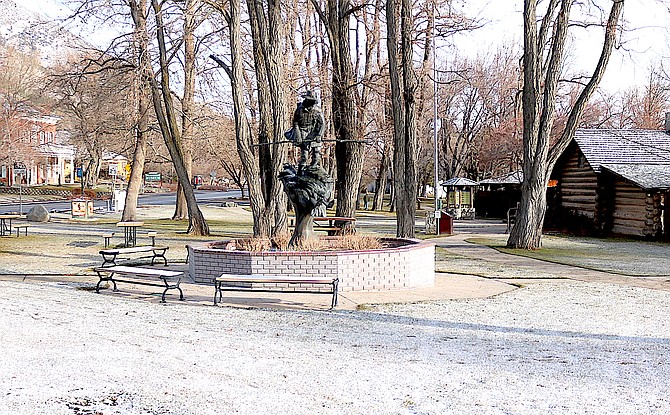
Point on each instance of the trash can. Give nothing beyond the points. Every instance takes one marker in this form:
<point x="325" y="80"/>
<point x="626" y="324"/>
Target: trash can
<point x="445" y="223"/>
<point x="82" y="208"/>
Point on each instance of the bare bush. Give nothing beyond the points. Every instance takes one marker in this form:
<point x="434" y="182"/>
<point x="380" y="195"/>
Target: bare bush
<point x="280" y="242"/>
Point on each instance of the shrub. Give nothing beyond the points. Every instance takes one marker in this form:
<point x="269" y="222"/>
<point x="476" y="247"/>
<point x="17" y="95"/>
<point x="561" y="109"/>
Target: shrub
<point x="280" y="242"/>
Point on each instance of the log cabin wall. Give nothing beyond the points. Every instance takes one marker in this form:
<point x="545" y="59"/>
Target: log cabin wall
<point x="630" y="209"/>
<point x="666" y="214"/>
<point x="653" y="225"/>
<point x="578" y="185"/>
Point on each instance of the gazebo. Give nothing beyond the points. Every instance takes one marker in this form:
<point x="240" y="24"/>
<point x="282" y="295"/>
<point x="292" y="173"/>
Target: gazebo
<point x="460" y="197"/>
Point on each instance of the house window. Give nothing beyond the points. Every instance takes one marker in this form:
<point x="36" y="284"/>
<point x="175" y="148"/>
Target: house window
<point x="3" y="172"/>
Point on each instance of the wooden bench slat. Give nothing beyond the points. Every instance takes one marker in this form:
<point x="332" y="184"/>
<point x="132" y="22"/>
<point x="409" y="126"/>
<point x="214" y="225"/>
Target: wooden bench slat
<point x="219" y="285"/>
<point x="108" y="273"/>
<point x="109" y="255"/>
<point x="132" y="250"/>
<point x="272" y="278"/>
<point x="145" y="272"/>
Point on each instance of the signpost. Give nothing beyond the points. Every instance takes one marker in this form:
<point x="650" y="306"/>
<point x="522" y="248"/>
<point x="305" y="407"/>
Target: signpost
<point x="21" y="171"/>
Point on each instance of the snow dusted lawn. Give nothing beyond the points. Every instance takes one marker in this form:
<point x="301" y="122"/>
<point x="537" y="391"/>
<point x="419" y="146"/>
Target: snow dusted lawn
<point x="563" y="348"/>
<point x="619" y="256"/>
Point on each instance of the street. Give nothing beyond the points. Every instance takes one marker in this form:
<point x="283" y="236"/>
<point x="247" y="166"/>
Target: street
<point x="147" y="199"/>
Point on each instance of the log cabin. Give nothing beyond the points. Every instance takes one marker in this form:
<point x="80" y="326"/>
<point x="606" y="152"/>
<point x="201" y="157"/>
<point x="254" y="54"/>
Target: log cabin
<point x="613" y="182"/>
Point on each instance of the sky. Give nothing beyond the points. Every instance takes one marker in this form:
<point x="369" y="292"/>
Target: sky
<point x="644" y="38"/>
<point x="644" y="44"/>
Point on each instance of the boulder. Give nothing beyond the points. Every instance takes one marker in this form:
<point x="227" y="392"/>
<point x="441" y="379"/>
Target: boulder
<point x="38" y="214"/>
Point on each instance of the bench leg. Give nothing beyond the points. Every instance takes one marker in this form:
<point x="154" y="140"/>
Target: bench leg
<point x="106" y="259"/>
<point x="107" y="278"/>
<point x="171" y="287"/>
<point x="217" y="292"/>
<point x="334" y="302"/>
<point x="159" y="255"/>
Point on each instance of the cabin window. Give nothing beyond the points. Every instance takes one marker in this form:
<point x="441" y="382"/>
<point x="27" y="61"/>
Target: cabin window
<point x="581" y="160"/>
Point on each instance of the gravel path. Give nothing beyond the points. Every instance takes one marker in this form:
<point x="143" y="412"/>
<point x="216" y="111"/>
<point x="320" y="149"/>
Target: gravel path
<point x="550" y="348"/>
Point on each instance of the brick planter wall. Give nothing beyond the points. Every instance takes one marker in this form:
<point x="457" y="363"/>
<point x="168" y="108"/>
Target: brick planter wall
<point x="407" y="264"/>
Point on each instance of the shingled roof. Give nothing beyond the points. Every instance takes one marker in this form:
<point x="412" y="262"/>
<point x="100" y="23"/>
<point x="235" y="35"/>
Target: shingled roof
<point x="640" y="156"/>
<point x="459" y="181"/>
<point x="515" y="177"/>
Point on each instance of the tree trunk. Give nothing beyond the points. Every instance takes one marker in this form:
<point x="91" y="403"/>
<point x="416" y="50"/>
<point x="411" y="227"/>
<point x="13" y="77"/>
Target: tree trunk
<point x="261" y="164"/>
<point x="541" y="77"/>
<point x="187" y="103"/>
<point x="138" y="13"/>
<point x="348" y="153"/>
<point x="167" y="120"/>
<point x="267" y="30"/>
<point x="384" y="163"/>
<point x="139" y="156"/>
<point x="180" y="207"/>
<point x="403" y="105"/>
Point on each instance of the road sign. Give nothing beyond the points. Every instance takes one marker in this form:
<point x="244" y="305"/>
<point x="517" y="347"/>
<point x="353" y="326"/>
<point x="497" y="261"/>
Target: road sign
<point x="113" y="170"/>
<point x="152" y="176"/>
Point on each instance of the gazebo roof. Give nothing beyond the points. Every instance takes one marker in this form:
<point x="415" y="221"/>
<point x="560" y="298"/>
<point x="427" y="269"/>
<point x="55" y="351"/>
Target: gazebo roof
<point x="458" y="181"/>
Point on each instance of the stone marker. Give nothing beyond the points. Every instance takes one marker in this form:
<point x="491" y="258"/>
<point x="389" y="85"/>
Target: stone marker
<point x="38" y="214"/>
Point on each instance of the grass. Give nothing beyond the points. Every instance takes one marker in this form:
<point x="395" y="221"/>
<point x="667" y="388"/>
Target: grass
<point x="619" y="256"/>
<point x="449" y="262"/>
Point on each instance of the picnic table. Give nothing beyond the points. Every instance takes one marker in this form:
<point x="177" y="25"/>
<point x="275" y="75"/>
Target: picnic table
<point x="129" y="232"/>
<point x="6" y="223"/>
<point x="332" y="224"/>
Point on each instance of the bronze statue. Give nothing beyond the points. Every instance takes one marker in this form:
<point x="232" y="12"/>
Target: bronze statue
<point x="307" y="131"/>
<point x="309" y="187"/>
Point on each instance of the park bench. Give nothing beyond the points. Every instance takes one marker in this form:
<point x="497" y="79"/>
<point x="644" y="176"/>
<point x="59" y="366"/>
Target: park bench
<point x="274" y="283"/>
<point x="109" y="255"/>
<point x="152" y="235"/>
<point x="23" y="226"/>
<point x="170" y="279"/>
<point x="332" y="225"/>
<point x="108" y="237"/>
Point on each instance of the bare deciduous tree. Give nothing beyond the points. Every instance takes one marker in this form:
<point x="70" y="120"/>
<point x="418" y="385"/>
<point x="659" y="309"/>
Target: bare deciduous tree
<point x="167" y="119"/>
<point x="403" y="102"/>
<point x="542" y="60"/>
<point x="21" y="81"/>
